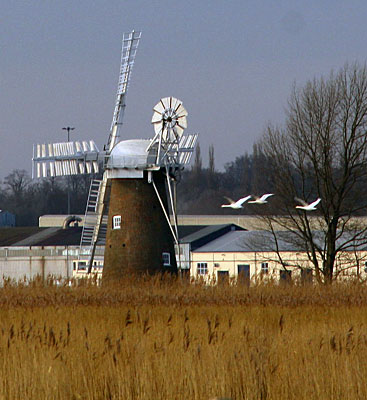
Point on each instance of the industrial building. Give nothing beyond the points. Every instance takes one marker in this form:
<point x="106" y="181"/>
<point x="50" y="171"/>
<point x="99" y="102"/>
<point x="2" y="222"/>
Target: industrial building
<point x="55" y="250"/>
<point x="215" y="253"/>
<point x="251" y="255"/>
<point x="27" y="252"/>
<point x="7" y="219"/>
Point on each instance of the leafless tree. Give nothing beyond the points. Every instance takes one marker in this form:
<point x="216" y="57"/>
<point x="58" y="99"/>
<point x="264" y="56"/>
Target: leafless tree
<point x="321" y="151"/>
<point x="17" y="181"/>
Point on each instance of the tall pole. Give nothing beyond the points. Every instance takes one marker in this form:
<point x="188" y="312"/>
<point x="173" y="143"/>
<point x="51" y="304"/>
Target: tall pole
<point x="68" y="129"/>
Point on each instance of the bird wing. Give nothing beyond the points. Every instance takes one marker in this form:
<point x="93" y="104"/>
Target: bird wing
<point x="242" y="200"/>
<point x="315" y="203"/>
<point x="229" y="200"/>
<point x="265" y="196"/>
<point x="301" y="201"/>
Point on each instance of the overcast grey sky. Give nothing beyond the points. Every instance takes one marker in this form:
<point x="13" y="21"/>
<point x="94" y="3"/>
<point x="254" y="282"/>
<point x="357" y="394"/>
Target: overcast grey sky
<point x="232" y="63"/>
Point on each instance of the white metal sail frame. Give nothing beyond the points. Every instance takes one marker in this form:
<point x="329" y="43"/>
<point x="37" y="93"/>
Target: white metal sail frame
<point x="169" y="122"/>
<point x="66" y="158"/>
<point x="130" y="44"/>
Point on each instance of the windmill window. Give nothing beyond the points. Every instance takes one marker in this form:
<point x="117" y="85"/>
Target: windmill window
<point x="116" y="222"/>
<point x="202" y="268"/>
<point x="166" y="259"/>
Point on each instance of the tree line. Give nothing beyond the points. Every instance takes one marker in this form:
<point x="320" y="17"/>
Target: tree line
<point x="28" y="199"/>
<point x="200" y="190"/>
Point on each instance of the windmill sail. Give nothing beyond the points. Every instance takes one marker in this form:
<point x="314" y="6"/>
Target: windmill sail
<point x="130" y="44"/>
<point x="63" y="159"/>
<point x="97" y="220"/>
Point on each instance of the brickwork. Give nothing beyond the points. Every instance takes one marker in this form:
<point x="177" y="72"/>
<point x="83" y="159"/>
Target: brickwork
<point x="144" y="235"/>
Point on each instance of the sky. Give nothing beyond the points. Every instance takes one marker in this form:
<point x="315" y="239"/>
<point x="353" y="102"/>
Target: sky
<point x="233" y="64"/>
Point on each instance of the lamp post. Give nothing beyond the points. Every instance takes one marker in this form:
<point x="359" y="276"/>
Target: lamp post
<point x="68" y="129"/>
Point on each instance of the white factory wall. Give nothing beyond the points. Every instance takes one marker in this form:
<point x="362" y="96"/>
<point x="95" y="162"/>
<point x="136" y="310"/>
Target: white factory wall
<point x="19" y="263"/>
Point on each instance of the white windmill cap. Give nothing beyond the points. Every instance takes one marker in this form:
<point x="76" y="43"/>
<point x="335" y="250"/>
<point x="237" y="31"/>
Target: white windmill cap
<point x="129" y="158"/>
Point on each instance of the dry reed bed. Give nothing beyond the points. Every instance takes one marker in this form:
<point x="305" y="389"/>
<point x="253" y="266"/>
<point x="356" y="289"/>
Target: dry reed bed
<point x="170" y="291"/>
<point x="133" y="342"/>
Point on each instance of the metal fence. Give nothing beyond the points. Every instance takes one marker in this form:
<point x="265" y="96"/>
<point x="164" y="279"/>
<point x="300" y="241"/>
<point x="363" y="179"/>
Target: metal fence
<point x="59" y="251"/>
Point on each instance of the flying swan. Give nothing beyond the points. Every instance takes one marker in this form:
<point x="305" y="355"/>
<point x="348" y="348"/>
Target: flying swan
<point x="236" y="205"/>
<point x="262" y="199"/>
<point x="307" y="207"/>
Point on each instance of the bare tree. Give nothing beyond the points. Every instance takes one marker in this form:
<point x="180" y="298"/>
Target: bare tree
<point x="321" y="151"/>
<point x="17" y="182"/>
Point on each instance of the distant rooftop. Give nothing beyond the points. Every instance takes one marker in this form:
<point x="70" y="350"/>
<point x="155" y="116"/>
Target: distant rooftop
<point x="263" y="241"/>
<point x="248" y="241"/>
<point x="35" y="236"/>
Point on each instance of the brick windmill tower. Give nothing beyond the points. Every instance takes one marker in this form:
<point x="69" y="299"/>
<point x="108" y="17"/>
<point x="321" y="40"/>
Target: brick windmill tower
<point x="128" y="210"/>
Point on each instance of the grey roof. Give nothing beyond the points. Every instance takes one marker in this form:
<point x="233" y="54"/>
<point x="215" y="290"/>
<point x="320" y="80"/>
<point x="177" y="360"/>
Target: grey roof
<point x="246" y="241"/>
<point x="187" y="230"/>
<point x="35" y="236"/>
<point x="203" y="231"/>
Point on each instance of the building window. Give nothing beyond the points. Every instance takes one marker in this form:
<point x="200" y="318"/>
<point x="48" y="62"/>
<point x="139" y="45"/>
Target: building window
<point x="166" y="257"/>
<point x="264" y="268"/>
<point x="82" y="266"/>
<point x="116" y="222"/>
<point x="202" y="268"/>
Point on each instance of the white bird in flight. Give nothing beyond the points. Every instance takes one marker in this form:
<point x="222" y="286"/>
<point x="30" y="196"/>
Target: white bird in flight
<point x="307" y="207"/>
<point x="236" y="205"/>
<point x="262" y="199"/>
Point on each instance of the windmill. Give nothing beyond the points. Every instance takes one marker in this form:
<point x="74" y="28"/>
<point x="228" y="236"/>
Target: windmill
<point x="128" y="210"/>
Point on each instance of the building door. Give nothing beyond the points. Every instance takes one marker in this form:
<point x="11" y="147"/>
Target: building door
<point x="306" y="276"/>
<point x="285" y="276"/>
<point x="243" y="271"/>
<point x="223" y="277"/>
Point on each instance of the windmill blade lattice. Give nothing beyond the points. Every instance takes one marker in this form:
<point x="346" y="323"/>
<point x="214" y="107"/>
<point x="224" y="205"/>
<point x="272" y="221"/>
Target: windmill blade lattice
<point x="130" y="44"/>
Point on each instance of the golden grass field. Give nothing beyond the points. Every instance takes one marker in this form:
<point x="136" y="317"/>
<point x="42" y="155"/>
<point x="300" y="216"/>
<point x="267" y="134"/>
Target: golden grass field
<point x="166" y="339"/>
